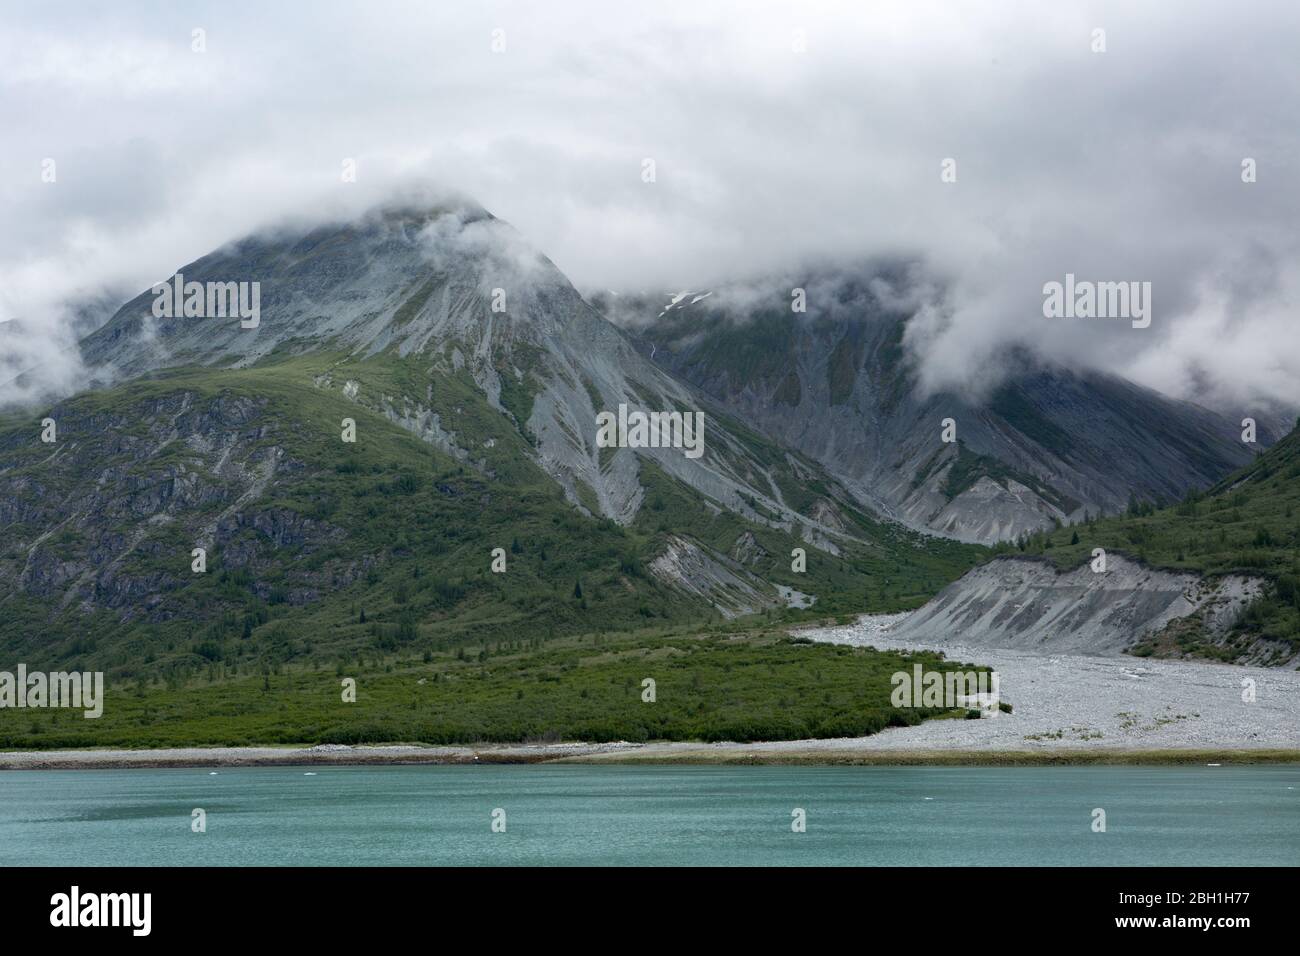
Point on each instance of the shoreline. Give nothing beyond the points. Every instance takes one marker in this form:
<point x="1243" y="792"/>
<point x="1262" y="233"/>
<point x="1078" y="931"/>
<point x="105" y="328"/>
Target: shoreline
<point x="1068" y="710"/>
<point x="800" y="753"/>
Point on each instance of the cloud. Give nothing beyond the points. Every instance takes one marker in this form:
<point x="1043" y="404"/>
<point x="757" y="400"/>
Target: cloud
<point x="780" y="133"/>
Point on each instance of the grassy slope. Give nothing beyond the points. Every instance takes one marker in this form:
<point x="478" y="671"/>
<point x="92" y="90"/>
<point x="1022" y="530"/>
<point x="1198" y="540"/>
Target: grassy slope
<point x="426" y="523"/>
<point x="424" y="526"/>
<point x="1249" y="523"/>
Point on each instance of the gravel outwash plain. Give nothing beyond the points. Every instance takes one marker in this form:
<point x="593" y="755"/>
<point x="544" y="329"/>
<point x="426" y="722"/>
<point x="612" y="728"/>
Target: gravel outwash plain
<point x="1110" y="702"/>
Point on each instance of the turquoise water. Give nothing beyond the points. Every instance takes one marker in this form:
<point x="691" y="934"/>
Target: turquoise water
<point x="645" y="815"/>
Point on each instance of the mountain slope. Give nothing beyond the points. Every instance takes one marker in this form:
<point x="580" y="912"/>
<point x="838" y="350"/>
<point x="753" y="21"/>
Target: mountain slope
<point x="425" y="287"/>
<point x="474" y="431"/>
<point x="1049" y="446"/>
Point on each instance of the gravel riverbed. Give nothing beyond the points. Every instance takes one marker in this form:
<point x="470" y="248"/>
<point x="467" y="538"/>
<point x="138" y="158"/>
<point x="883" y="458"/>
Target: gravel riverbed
<point x="1110" y="702"/>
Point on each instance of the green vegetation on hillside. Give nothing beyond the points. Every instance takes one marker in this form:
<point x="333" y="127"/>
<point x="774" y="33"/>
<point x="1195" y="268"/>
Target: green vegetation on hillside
<point x="969" y="467"/>
<point x="842" y="368"/>
<point x="730" y="684"/>
<point x="378" y="547"/>
<point x="901" y="572"/>
<point x="1016" y="408"/>
<point x="739" y="354"/>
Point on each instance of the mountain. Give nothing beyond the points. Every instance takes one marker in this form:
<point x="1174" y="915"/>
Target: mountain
<point x="473" y="374"/>
<point x="419" y="285"/>
<point x="1048" y="446"/>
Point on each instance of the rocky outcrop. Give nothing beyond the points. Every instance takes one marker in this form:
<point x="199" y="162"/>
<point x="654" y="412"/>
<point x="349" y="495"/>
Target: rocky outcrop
<point x="696" y="569"/>
<point x="107" y="519"/>
<point x="747" y="550"/>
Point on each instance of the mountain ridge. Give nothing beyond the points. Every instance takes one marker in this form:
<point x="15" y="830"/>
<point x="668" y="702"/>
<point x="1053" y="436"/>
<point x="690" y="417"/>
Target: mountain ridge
<point x="1049" y="445"/>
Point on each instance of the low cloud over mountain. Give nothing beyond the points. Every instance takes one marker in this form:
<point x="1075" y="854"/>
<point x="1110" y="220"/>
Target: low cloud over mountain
<point x="779" y="136"/>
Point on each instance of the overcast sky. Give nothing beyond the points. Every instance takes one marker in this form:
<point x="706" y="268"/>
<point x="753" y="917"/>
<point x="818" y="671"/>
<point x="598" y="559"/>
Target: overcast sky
<point x="781" y="134"/>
